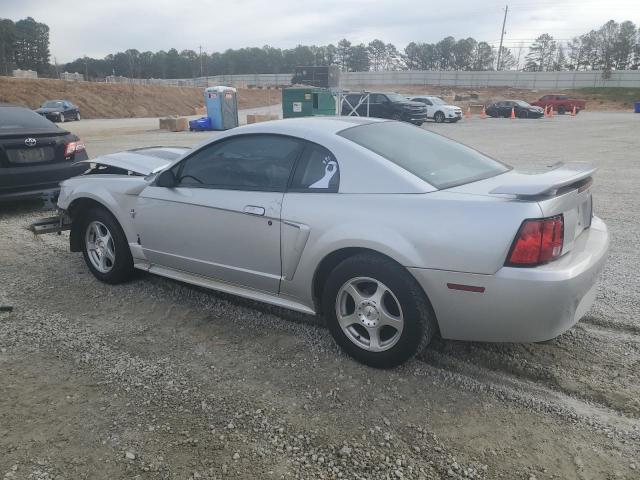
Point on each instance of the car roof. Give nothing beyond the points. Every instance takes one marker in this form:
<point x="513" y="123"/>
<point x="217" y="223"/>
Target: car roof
<point x="307" y="127"/>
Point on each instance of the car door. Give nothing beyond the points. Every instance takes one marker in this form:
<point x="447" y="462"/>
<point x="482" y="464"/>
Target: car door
<point x="377" y="105"/>
<point x="222" y="219"/>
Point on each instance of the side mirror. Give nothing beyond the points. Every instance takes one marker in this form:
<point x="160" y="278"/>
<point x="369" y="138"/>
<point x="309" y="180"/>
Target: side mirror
<point x="167" y="179"/>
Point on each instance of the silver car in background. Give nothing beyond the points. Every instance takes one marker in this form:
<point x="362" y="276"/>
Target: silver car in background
<point x="391" y="232"/>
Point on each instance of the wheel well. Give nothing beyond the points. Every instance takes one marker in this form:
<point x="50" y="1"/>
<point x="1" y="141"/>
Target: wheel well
<point x="330" y="262"/>
<point x="76" y="210"/>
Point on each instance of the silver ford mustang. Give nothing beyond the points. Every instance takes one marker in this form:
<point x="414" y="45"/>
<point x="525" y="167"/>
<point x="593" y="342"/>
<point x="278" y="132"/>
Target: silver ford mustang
<point x="391" y="232"/>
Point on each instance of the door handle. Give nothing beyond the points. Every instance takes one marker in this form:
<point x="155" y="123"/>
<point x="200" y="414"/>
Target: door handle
<point x="253" y="210"/>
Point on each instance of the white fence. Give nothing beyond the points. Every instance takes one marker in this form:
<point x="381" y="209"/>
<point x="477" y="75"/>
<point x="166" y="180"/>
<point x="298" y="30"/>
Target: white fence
<point x="358" y="80"/>
<point x="514" y="79"/>
<point x="24" y="73"/>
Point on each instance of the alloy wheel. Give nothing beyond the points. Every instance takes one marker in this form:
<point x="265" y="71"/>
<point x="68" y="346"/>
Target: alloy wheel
<point x="369" y="314"/>
<point x="100" y="247"/>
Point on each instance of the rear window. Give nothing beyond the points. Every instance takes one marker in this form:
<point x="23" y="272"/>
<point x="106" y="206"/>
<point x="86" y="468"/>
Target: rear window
<point x="19" y="118"/>
<point x="435" y="159"/>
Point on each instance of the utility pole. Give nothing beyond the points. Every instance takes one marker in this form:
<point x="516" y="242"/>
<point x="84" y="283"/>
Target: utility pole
<point x="200" y="47"/>
<point x="504" y="21"/>
<point x="86" y="68"/>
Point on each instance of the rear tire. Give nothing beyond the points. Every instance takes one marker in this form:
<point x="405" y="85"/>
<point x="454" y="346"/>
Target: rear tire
<point x="439" y="117"/>
<point x="62" y="119"/>
<point x="104" y="247"/>
<point x="523" y="114"/>
<point x="561" y="111"/>
<point x="77" y="116"/>
<point x="376" y="311"/>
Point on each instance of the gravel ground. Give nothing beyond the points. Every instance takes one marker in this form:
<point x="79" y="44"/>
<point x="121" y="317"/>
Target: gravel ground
<point x="157" y="380"/>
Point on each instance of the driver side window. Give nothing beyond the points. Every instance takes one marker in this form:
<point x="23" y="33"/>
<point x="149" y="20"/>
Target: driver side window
<point x="246" y="162"/>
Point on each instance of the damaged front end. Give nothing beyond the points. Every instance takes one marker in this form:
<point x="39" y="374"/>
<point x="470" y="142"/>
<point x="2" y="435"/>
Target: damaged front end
<point x="107" y="170"/>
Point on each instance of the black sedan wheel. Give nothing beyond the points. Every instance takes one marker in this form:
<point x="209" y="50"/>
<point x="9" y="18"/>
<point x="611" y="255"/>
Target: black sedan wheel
<point x="523" y="114"/>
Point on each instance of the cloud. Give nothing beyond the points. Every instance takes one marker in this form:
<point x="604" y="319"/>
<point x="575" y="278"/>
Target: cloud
<point x="97" y="27"/>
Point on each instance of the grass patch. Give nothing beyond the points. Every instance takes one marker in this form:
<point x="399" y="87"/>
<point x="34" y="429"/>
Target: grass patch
<point x="624" y="95"/>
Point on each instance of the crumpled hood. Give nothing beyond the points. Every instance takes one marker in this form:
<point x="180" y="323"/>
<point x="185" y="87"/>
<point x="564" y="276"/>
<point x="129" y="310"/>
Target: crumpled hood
<point x="142" y="161"/>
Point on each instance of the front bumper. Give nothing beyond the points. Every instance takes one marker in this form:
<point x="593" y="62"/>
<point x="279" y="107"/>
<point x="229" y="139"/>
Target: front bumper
<point x="54" y="117"/>
<point x="520" y="304"/>
<point x="414" y="116"/>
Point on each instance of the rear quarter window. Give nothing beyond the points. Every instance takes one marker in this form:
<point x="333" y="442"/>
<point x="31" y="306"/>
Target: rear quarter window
<point x="435" y="159"/>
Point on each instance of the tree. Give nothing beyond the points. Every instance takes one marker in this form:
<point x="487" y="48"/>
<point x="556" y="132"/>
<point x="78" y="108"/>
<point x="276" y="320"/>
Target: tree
<point x="560" y="62"/>
<point x="445" y="49"/>
<point x="377" y="54"/>
<point x="359" y="59"/>
<point x="343" y="52"/>
<point x="464" y="53"/>
<point x="8" y="38"/>
<point x="507" y="60"/>
<point x="541" y="54"/>
<point x="484" y="58"/>
<point x="31" y="48"/>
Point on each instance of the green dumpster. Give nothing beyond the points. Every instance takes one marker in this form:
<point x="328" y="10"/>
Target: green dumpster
<point x="307" y="102"/>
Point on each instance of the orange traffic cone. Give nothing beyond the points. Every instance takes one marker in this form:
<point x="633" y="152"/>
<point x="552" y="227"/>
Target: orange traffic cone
<point x="546" y="111"/>
<point x="513" y="112"/>
<point x="551" y="114"/>
<point x="573" y="112"/>
<point x="483" y="114"/>
<point x="467" y="114"/>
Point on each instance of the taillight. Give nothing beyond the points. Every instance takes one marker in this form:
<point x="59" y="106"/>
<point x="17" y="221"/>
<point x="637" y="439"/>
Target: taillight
<point x="73" y="147"/>
<point x="538" y="241"/>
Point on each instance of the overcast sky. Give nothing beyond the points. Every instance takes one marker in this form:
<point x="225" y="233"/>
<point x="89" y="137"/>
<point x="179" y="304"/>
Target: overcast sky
<point x="99" y="27"/>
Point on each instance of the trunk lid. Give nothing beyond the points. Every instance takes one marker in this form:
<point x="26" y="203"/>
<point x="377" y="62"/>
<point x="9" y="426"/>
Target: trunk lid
<point x="23" y="150"/>
<point x="562" y="189"/>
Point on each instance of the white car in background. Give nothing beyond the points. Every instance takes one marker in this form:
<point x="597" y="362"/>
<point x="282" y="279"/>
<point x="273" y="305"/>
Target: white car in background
<point x="439" y="110"/>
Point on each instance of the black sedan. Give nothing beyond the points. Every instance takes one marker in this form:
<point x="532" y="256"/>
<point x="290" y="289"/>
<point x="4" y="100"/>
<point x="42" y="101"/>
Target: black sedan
<point x="35" y="154"/>
<point x="59" y="110"/>
<point x="520" y="108"/>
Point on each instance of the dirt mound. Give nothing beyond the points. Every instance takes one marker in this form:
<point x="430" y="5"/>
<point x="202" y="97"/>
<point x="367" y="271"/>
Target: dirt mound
<point x="107" y="100"/>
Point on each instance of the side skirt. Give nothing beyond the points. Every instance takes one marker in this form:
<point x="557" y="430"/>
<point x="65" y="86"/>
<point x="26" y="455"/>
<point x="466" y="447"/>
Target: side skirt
<point x="223" y="287"/>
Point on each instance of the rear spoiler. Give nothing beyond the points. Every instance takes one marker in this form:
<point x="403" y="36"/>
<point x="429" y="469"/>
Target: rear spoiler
<point x="548" y="183"/>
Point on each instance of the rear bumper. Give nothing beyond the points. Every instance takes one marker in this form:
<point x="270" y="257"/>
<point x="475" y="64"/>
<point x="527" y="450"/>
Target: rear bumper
<point x="31" y="181"/>
<point x="520" y="304"/>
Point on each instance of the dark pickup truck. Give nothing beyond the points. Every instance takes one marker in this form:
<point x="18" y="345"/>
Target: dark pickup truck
<point x="561" y="103"/>
<point x="384" y="105"/>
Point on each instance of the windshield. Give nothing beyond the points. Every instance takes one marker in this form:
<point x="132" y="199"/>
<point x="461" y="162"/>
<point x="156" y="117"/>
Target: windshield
<point x="522" y="104"/>
<point x="436" y="101"/>
<point x="52" y="104"/>
<point x="435" y="159"/>
<point x="396" y="97"/>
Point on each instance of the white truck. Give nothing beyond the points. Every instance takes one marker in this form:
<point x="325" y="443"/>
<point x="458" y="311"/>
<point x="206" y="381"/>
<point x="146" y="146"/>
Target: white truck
<point x="438" y="109"/>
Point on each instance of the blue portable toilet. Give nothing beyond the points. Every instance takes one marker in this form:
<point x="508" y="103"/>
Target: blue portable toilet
<point x="222" y="107"/>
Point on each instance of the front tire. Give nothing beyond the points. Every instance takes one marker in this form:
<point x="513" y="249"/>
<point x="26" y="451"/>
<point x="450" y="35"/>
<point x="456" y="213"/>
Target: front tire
<point x="77" y="116"/>
<point x="376" y="311"/>
<point x="561" y="110"/>
<point x="105" y="248"/>
<point x="62" y="119"/>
